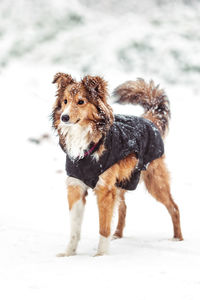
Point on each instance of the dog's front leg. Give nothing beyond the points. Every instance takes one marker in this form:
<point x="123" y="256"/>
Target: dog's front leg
<point x="106" y="197"/>
<point x="76" y="198"/>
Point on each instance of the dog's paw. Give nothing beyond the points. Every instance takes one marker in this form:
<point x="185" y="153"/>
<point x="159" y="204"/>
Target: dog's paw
<point x="99" y="254"/>
<point x="116" y="236"/>
<point x="176" y="239"/>
<point x="67" y="253"/>
<point x="61" y="254"/>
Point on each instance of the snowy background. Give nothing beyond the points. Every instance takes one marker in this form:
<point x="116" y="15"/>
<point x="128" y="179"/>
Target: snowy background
<point x="119" y="40"/>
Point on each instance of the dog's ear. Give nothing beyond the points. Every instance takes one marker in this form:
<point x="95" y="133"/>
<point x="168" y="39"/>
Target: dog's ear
<point x="96" y="87"/>
<point x="63" y="80"/>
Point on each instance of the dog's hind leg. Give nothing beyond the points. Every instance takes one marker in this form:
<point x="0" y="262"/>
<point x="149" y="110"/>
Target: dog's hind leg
<point x="156" y="179"/>
<point x="77" y="192"/>
<point x="121" y="214"/>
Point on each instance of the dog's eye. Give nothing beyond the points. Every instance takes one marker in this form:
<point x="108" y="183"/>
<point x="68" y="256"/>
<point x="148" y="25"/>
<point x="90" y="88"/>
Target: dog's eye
<point x="80" y="102"/>
<point x="65" y="101"/>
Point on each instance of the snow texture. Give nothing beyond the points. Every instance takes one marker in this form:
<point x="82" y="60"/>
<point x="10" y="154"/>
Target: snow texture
<point x="121" y="40"/>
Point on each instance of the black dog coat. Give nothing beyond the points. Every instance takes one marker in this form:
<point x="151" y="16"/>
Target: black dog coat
<point x="128" y="134"/>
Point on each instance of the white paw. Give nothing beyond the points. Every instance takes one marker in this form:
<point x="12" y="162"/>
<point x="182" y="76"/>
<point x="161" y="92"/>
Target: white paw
<point x="176" y="239"/>
<point x="99" y="254"/>
<point x="115" y="237"/>
<point x="103" y="246"/>
<point x="67" y="253"/>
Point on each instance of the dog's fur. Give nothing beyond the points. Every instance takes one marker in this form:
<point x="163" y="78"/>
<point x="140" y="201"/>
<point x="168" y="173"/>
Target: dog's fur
<point x="90" y="117"/>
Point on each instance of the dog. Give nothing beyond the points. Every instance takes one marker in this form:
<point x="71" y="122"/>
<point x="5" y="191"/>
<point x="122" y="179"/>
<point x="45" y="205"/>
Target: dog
<point x="111" y="153"/>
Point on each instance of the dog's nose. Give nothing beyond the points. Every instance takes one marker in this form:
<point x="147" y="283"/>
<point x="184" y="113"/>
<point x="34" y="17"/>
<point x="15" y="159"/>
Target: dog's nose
<point x="65" y="118"/>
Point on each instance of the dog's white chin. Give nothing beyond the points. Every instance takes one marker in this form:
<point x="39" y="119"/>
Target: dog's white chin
<point x="64" y="128"/>
<point x="76" y="138"/>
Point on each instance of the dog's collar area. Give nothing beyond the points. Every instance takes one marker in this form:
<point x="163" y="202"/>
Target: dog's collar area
<point x="91" y="150"/>
<point x="93" y="147"/>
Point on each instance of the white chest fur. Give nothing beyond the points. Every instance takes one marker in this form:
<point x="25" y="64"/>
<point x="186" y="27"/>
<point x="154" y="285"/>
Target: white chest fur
<point x="77" y="139"/>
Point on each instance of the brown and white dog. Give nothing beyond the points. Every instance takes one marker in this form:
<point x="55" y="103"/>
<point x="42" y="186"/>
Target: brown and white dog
<point x="81" y="116"/>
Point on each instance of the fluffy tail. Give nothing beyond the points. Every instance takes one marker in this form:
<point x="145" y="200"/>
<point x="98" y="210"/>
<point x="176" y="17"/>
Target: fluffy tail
<point x="150" y="97"/>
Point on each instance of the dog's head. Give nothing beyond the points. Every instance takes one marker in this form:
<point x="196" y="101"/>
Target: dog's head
<point x="81" y="102"/>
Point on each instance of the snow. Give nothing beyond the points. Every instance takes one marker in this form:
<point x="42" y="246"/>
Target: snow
<point x="34" y="219"/>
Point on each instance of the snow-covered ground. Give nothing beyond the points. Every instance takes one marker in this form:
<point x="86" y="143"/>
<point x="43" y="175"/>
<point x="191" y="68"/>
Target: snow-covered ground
<point x="119" y="42"/>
